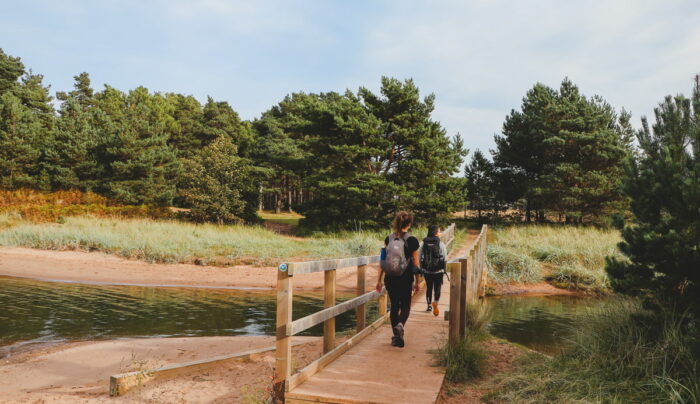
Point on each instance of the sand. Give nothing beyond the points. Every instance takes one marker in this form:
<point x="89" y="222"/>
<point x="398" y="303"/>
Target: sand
<point x="79" y="372"/>
<point x="100" y="268"/>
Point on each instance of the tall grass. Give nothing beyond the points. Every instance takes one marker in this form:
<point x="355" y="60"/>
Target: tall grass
<point x="568" y="256"/>
<point x="621" y="353"/>
<point x="179" y="242"/>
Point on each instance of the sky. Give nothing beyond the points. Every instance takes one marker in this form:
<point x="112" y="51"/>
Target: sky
<point x="479" y="58"/>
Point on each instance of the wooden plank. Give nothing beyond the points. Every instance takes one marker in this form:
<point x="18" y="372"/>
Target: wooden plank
<point x="327" y="265"/>
<point x="463" y="297"/>
<point x="455" y="270"/>
<point x="283" y="353"/>
<point x="361" y="315"/>
<point x="120" y="384"/>
<point x="315" y="366"/>
<point x="382" y="303"/>
<point x="311" y="320"/>
<point x="470" y="269"/>
<point x="329" y="301"/>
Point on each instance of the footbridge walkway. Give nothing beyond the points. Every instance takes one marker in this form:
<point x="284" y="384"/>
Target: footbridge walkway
<point x="365" y="368"/>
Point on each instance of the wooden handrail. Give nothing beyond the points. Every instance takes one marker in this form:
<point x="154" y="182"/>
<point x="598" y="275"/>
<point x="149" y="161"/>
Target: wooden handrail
<point x="286" y="328"/>
<point x="304" y="323"/>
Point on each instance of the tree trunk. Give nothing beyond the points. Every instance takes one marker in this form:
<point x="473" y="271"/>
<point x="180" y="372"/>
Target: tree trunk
<point x="278" y="202"/>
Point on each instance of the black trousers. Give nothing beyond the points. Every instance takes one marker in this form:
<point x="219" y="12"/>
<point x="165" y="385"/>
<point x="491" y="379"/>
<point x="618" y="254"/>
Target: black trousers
<point x="434" y="282"/>
<point x="399" y="289"/>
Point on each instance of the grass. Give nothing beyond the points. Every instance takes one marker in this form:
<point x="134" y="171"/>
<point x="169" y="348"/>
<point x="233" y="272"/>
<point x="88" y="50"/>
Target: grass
<point x="286" y="218"/>
<point x="621" y="353"/>
<point x="567" y="256"/>
<point x="170" y="241"/>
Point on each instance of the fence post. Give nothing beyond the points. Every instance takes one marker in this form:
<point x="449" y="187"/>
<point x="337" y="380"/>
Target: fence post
<point x="473" y="265"/>
<point x="361" y="316"/>
<point x="455" y="269"/>
<point x="381" y="304"/>
<point x="283" y="345"/>
<point x="463" y="297"/>
<point x="329" y="301"/>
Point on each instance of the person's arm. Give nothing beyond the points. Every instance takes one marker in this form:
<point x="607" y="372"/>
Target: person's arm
<point x="419" y="277"/>
<point x="380" y="277"/>
<point x="443" y="253"/>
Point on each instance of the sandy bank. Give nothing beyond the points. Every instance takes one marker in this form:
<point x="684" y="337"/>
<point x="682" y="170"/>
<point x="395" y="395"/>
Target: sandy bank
<point x="100" y="268"/>
<point x="79" y="372"/>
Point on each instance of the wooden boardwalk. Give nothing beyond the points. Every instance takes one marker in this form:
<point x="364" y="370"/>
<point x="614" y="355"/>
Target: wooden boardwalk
<point x="375" y="372"/>
<point x="366" y="368"/>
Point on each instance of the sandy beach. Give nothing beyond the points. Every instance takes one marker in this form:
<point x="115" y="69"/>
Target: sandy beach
<point x="78" y="372"/>
<point x="100" y="268"/>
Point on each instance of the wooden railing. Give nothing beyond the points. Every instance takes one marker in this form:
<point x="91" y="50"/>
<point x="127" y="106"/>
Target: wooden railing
<point x="468" y="276"/>
<point x="286" y="327"/>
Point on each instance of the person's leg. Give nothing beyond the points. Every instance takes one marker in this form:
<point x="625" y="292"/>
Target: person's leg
<point x="405" y="302"/>
<point x="395" y="302"/>
<point x="429" y="280"/>
<point x="438" y="286"/>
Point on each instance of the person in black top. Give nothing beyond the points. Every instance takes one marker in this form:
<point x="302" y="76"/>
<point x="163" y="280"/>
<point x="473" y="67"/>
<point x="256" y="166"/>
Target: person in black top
<point x="400" y="288"/>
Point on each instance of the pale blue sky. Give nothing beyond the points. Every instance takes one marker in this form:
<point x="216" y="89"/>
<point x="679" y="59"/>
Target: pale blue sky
<point x="478" y="57"/>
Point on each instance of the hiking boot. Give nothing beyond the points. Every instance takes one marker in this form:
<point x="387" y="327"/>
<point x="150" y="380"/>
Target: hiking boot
<point x="394" y="341"/>
<point x="430" y="307"/>
<point x="398" y="331"/>
<point x="436" y="311"/>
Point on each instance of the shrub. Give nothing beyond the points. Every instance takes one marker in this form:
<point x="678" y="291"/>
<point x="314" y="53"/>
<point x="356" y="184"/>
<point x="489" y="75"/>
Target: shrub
<point x="510" y="266"/>
<point x="463" y="361"/>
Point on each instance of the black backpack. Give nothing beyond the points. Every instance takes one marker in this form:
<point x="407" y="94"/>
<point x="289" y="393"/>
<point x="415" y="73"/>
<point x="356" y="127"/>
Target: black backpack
<point x="431" y="260"/>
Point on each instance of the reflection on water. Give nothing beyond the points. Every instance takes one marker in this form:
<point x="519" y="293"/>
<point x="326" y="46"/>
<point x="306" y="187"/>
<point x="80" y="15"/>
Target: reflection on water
<point x="542" y="323"/>
<point x="47" y="311"/>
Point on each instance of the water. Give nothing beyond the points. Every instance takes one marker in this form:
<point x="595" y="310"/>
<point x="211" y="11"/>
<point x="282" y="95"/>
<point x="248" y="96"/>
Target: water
<point x="40" y="312"/>
<point x="542" y="323"/>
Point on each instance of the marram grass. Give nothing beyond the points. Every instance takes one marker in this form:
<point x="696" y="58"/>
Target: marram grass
<point x="172" y="241"/>
<point x="568" y="256"/>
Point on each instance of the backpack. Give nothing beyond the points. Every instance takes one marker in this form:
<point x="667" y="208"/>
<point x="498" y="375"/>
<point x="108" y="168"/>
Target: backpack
<point x="395" y="263"/>
<point x="431" y="260"/>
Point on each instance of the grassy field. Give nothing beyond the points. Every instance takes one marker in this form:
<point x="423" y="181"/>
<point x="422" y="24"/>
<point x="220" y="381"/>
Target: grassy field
<point x="566" y="256"/>
<point x="172" y="241"/>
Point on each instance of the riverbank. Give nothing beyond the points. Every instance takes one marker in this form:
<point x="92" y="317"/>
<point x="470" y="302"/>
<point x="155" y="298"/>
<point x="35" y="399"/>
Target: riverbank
<point x="78" y="372"/>
<point x="100" y="268"/>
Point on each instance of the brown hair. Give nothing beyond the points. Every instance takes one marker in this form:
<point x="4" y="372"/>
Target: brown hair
<point x="401" y="221"/>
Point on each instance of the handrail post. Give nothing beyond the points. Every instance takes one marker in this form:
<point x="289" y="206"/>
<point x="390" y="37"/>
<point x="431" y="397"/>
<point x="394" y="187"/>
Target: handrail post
<point x="463" y="297"/>
<point x="283" y="345"/>
<point x="382" y="304"/>
<point x="361" y="313"/>
<point x="455" y="269"/>
<point x="329" y="301"/>
<point x="471" y="264"/>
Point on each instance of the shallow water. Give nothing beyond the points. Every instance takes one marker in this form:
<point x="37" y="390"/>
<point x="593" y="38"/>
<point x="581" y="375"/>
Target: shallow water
<point x="34" y="312"/>
<point x="542" y="323"/>
<point x="40" y="312"/>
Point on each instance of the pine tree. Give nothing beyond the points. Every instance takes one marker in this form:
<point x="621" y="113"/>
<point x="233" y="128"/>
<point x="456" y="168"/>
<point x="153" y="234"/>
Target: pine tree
<point x="20" y="144"/>
<point x="479" y="176"/>
<point x="219" y="186"/>
<point x="662" y="241"/>
<point x="11" y="69"/>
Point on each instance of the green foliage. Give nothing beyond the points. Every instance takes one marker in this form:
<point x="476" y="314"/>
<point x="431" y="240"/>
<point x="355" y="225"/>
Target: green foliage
<point x="509" y="266"/>
<point x="480" y="177"/>
<point x="463" y="361"/>
<point x="566" y="151"/>
<point x="662" y="240"/>
<point x="621" y="353"/>
<point x="20" y="144"/>
<point x="219" y="186"/>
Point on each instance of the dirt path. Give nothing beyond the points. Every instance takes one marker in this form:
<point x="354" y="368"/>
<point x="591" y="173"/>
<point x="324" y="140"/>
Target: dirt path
<point x="79" y="372"/>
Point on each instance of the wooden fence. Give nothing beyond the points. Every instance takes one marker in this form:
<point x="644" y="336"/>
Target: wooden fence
<point x="286" y="327"/>
<point x="468" y="276"/>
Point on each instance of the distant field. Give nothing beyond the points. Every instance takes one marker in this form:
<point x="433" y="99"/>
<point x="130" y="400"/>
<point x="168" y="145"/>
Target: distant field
<point x="566" y="256"/>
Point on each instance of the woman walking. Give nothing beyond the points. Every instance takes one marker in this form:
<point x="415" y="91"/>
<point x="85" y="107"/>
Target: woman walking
<point x="399" y="261"/>
<point x="433" y="256"/>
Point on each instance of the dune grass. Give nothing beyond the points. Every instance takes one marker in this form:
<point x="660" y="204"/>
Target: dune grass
<point x="621" y="353"/>
<point x="567" y="256"/>
<point x="171" y="241"/>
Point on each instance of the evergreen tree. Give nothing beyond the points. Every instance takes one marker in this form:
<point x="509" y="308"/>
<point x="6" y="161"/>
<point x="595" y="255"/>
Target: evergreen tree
<point x="219" y="186"/>
<point x="11" y="69"/>
<point x="479" y="175"/>
<point x="20" y="144"/>
<point x="663" y="240"/>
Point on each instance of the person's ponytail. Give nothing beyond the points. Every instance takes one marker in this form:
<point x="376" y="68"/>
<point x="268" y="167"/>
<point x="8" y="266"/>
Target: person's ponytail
<point x="401" y="221"/>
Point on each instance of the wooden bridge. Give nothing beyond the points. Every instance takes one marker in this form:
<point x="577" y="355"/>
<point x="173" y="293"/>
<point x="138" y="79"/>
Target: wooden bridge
<point x="365" y="368"/>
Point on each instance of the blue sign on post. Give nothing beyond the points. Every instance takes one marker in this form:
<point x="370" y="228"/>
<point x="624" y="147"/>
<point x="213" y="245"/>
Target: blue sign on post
<point x="283" y="267"/>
